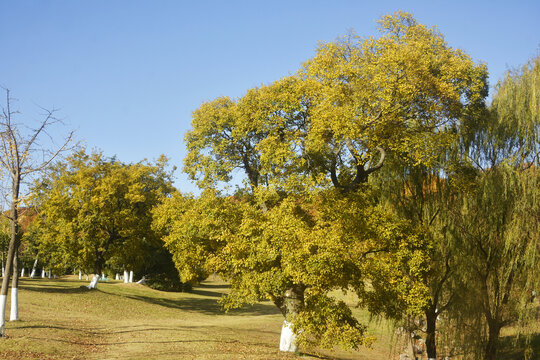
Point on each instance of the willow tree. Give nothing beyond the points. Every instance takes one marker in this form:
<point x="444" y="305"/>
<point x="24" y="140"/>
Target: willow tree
<point x="23" y="154"/>
<point x="497" y="219"/>
<point x="306" y="146"/>
<point x="94" y="209"/>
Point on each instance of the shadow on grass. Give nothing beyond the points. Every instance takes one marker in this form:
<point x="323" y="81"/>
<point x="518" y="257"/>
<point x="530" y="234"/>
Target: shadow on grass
<point x="207" y="306"/>
<point x="56" y="289"/>
<point x="201" y="292"/>
<point x="57" y="327"/>
<point x="137" y="341"/>
<point x="514" y="349"/>
<point x="214" y="286"/>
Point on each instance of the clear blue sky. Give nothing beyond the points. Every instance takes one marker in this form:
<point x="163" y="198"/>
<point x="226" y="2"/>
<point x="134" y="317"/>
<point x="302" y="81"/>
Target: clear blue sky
<point x="127" y="74"/>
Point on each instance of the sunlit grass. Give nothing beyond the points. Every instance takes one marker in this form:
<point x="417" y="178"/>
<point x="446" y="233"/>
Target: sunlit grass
<point x="62" y="319"/>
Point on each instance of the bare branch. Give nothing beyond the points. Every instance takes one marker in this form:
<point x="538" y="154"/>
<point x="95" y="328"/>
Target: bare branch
<point x="51" y="158"/>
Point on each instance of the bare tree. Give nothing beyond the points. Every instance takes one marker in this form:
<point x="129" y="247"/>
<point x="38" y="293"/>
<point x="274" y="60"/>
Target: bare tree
<point x="22" y="155"/>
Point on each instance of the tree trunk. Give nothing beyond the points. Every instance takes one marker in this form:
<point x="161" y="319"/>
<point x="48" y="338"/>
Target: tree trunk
<point x="431" y="320"/>
<point x="12" y="250"/>
<point x="126" y="277"/>
<point x="14" y="315"/>
<point x="287" y="341"/>
<point x="131" y="276"/>
<point x="80" y="275"/>
<point x="33" y="273"/>
<point x="292" y="304"/>
<point x="49" y="274"/>
<point x="22" y="272"/>
<point x="43" y="273"/>
<point x="494" y="328"/>
<point x="94" y="283"/>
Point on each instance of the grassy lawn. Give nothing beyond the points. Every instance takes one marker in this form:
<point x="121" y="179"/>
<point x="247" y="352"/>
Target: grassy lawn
<point x="61" y="319"/>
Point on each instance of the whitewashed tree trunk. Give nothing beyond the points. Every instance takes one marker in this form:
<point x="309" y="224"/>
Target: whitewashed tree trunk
<point x="3" y="315"/>
<point x="22" y="272"/>
<point x="49" y="274"/>
<point x="43" y="273"/>
<point x="94" y="283"/>
<point x="14" y="315"/>
<point x="126" y="277"/>
<point x="86" y="277"/>
<point x="3" y="272"/>
<point x="34" y="268"/>
<point x="117" y="277"/>
<point x="80" y="275"/>
<point x="142" y="281"/>
<point x="288" y="338"/>
<point x="131" y="276"/>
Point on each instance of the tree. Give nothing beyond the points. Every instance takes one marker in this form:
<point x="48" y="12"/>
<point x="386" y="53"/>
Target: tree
<point x="497" y="219"/>
<point x="306" y="146"/>
<point x="22" y="156"/>
<point x="96" y="212"/>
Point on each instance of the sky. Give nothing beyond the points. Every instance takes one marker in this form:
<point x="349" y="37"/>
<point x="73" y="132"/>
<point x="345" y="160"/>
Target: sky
<point x="126" y="75"/>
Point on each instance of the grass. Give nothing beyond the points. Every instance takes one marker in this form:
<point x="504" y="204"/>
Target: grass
<point x="62" y="319"/>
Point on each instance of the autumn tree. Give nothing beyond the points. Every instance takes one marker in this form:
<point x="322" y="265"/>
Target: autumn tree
<point x="96" y="212"/>
<point x="306" y="146"/>
<point x="23" y="154"/>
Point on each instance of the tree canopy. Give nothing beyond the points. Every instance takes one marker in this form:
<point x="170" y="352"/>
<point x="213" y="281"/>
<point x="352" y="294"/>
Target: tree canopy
<point x="96" y="212"/>
<point x="306" y="220"/>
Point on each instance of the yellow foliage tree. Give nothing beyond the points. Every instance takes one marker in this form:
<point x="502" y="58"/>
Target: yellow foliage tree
<point x="303" y="222"/>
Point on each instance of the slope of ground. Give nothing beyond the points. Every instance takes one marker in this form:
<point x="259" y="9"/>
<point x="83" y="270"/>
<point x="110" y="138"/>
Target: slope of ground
<point x="61" y="319"/>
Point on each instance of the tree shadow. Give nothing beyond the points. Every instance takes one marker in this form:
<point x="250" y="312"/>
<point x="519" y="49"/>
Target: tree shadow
<point x="198" y="291"/>
<point x="206" y="306"/>
<point x="513" y="348"/>
<point x="213" y="286"/>
<point x="55" y="289"/>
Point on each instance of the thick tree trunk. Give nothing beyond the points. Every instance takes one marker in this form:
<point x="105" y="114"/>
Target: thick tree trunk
<point x="14" y="315"/>
<point x="117" y="276"/>
<point x="431" y="320"/>
<point x="80" y="275"/>
<point x="293" y="302"/>
<point x="94" y="282"/>
<point x="49" y="274"/>
<point x="131" y="276"/>
<point x="126" y="277"/>
<point x="43" y="273"/>
<point x="494" y="329"/>
<point x="22" y="272"/>
<point x="287" y="340"/>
